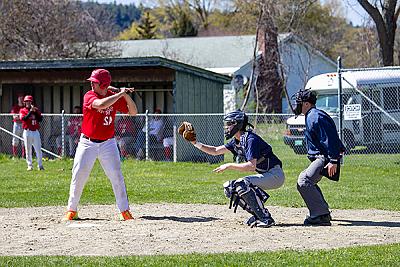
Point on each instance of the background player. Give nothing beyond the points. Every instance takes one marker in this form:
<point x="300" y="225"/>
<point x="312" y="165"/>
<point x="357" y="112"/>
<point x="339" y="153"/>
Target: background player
<point x="30" y="117"/>
<point x="100" y="106"/>
<point x="74" y="130"/>
<point x="17" y="127"/>
<point x="324" y="150"/>
<point x="258" y="157"/>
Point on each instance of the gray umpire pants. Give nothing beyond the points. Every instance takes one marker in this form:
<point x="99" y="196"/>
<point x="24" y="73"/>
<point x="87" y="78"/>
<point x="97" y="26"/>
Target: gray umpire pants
<point x="310" y="191"/>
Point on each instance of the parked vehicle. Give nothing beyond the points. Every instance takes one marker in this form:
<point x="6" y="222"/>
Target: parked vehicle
<point x="375" y="129"/>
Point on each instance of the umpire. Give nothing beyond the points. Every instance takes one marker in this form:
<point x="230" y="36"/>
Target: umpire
<point x="324" y="149"/>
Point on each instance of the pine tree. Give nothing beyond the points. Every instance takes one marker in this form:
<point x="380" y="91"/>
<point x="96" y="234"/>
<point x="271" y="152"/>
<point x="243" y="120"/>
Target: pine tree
<point x="183" y="26"/>
<point x="146" y="29"/>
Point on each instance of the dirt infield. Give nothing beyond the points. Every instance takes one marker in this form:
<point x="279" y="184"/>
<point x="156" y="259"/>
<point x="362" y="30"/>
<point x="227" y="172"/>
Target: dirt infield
<point x="182" y="228"/>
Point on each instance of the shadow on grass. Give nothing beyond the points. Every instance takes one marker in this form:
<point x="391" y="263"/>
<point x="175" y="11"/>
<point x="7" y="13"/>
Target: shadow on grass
<point x="180" y="219"/>
<point x="367" y="223"/>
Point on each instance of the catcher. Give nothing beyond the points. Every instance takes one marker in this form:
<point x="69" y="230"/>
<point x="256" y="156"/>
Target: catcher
<point x="252" y="153"/>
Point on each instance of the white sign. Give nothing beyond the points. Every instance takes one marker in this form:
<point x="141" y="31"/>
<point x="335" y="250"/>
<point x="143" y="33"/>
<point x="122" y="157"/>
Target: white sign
<point x="352" y="112"/>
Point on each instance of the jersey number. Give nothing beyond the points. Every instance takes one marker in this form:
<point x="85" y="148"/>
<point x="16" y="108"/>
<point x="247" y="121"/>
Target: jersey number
<point x="107" y="120"/>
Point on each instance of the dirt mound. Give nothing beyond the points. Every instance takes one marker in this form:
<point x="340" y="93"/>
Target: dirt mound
<point x="184" y="228"/>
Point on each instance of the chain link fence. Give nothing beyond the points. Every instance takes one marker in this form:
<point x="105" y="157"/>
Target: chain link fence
<point x="154" y="136"/>
<point x="365" y="105"/>
<point x="371" y="109"/>
<point x="145" y="136"/>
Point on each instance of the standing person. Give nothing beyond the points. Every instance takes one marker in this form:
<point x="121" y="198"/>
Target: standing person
<point x="324" y="150"/>
<point x="100" y="106"/>
<point x="30" y="117"/>
<point x="155" y="134"/>
<point x="247" y="191"/>
<point x="74" y="130"/>
<point x="125" y="132"/>
<point x="17" y="126"/>
<point x="168" y="139"/>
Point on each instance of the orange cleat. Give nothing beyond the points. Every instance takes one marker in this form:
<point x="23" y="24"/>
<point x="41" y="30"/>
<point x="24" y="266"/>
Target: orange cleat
<point x="126" y="215"/>
<point x="70" y="215"/>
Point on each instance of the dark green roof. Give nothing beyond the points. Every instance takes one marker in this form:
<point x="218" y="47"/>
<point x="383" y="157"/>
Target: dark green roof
<point x="136" y="62"/>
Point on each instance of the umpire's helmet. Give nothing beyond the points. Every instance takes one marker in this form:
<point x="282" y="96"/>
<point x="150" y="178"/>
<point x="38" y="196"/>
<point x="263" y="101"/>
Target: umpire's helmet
<point x="102" y="77"/>
<point x="237" y="118"/>
<point x="305" y="95"/>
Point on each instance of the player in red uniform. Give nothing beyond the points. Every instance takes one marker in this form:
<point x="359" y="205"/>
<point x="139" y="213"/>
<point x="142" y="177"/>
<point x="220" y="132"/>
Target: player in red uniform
<point x="17" y="127"/>
<point x="30" y="117"/>
<point x="100" y="106"/>
<point x="74" y="130"/>
<point x="124" y="133"/>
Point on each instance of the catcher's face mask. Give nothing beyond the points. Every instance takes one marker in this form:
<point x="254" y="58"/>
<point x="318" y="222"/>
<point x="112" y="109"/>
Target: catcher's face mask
<point x="231" y="128"/>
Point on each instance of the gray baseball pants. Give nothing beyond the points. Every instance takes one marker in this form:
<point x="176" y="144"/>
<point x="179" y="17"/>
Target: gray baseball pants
<point x="310" y="191"/>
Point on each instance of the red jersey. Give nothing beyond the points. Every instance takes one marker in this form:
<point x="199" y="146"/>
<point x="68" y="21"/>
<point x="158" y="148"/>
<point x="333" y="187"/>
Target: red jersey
<point x="99" y="123"/>
<point x="74" y="126"/>
<point x="32" y="123"/>
<point x="125" y="127"/>
<point x="15" y="110"/>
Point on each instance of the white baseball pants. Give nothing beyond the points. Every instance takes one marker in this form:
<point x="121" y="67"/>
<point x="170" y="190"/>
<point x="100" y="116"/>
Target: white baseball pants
<point x="86" y="154"/>
<point x="17" y="130"/>
<point x="32" y="138"/>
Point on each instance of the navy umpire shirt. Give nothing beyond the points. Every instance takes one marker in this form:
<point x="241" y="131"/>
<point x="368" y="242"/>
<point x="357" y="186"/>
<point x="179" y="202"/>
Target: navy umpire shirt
<point x="321" y="135"/>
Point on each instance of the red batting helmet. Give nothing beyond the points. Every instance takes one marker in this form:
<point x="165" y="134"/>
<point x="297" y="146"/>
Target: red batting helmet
<point x="28" y="98"/>
<point x="102" y="77"/>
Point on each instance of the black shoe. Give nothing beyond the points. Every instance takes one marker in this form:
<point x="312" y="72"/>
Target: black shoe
<point x="322" y="220"/>
<point x="250" y="220"/>
<point x="263" y="223"/>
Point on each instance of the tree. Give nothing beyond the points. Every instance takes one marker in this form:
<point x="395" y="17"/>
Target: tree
<point x="146" y="29"/>
<point x="269" y="83"/>
<point x="176" y="18"/>
<point x="202" y="8"/>
<point x="45" y="29"/>
<point x="384" y="14"/>
<point x="183" y="26"/>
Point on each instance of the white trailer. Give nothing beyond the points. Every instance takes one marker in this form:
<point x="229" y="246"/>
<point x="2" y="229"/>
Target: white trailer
<point x="378" y="93"/>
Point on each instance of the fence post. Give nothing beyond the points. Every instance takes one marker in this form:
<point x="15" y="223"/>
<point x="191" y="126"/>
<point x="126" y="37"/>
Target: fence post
<point x="62" y="134"/>
<point x="339" y="71"/>
<point x="174" y="145"/>
<point x="147" y="134"/>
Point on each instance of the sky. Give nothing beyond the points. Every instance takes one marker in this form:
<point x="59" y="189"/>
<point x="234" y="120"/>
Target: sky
<point x="352" y="9"/>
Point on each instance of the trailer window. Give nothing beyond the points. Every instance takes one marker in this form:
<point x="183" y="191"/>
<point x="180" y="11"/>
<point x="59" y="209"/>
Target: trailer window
<point x="328" y="103"/>
<point x="391" y="98"/>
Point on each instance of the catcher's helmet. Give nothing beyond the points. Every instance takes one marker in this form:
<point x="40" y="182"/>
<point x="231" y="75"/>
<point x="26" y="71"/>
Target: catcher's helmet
<point x="102" y="77"/>
<point x="237" y="118"/>
<point x="28" y="98"/>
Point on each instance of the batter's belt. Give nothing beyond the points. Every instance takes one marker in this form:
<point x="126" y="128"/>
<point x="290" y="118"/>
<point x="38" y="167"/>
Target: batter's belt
<point x="93" y="140"/>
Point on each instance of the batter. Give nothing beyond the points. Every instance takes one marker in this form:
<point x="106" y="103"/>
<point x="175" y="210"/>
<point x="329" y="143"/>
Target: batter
<point x="100" y="106"/>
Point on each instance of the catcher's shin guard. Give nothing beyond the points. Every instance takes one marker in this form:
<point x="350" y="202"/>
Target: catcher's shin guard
<point x="255" y="205"/>
<point x="244" y="194"/>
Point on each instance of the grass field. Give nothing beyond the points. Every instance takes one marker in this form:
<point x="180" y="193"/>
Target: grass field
<point x="362" y="186"/>
<point x="360" y="256"/>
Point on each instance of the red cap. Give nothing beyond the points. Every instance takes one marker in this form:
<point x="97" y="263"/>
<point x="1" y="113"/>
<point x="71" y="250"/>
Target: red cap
<point x="102" y="77"/>
<point x="28" y="98"/>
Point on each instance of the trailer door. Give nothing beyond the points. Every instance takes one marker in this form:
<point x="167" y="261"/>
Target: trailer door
<point x="372" y="121"/>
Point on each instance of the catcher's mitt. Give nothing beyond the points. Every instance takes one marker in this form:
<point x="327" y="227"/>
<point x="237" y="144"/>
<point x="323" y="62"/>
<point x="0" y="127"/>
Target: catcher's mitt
<point x="187" y="131"/>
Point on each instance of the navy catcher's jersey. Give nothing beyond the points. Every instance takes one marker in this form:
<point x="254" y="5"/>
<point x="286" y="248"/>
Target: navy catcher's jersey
<point x="251" y="146"/>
